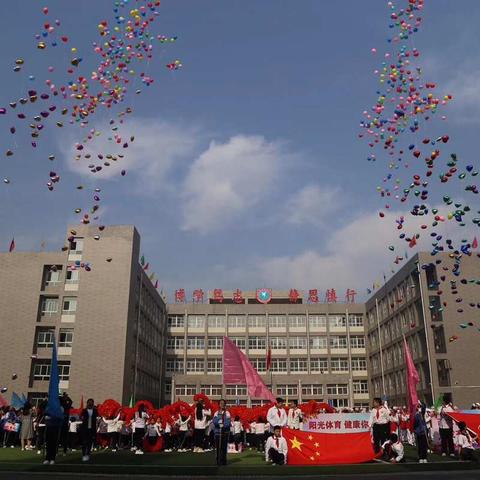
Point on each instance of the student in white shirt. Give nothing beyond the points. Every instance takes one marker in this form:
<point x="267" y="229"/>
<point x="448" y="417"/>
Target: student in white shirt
<point x="379" y="423"/>
<point x="276" y="448"/>
<point x="167" y="436"/>
<point x="259" y="430"/>
<point x="393" y="449"/>
<point x="294" y="418"/>
<point x="112" y="431"/>
<point x="182" y="423"/>
<point x="237" y="431"/>
<point x="139" y="422"/>
<point x="445" y="426"/>
<point x="276" y="415"/>
<point x="72" y="433"/>
<point x="464" y="442"/>
<point x="201" y="415"/>
<point x="153" y="431"/>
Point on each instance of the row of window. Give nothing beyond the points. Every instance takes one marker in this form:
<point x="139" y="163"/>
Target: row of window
<point x="42" y="369"/>
<point x="45" y="337"/>
<point x="311" y="390"/>
<point x="315" y="365"/>
<point x="274" y="321"/>
<point x="275" y="343"/>
<point x="50" y="305"/>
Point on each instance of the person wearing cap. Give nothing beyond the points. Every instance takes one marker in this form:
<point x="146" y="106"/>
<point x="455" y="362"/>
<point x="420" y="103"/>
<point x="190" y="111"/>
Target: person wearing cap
<point x="276" y="415"/>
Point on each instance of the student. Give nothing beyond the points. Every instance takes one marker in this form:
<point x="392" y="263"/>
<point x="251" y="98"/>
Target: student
<point x="421" y="433"/>
<point x="88" y="428"/>
<point x="237" y="430"/>
<point x="260" y="428"/>
<point x="66" y="403"/>
<point x="294" y="418"/>
<point x="379" y="423"/>
<point x="276" y="415"/>
<point x="40" y="425"/>
<point x="139" y="420"/>
<point x="200" y="424"/>
<point x="222" y="423"/>
<point x="125" y="430"/>
<point x="26" y="428"/>
<point x="111" y="431"/>
<point x="445" y="426"/>
<point x="153" y="433"/>
<point x="464" y="442"/>
<point x="405" y="425"/>
<point x="276" y="447"/>
<point x="393" y="449"/>
<point x="52" y="433"/>
<point x="167" y="436"/>
<point x="73" y="433"/>
<point x="394" y="421"/>
<point x="182" y="423"/>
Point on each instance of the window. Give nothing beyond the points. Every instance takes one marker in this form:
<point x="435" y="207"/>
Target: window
<point x="260" y="364"/>
<point x="298" y="365"/>
<point x="36" y="398"/>
<point x="337" y="389"/>
<point x="215" y="343"/>
<point x="339" y="402"/>
<point x="355" y="320"/>
<point x="237" y="321"/>
<point x="279" y="365"/>
<point x="212" y="390"/>
<point x="72" y="276"/>
<point x="257" y="320"/>
<point x="357" y="341"/>
<point x="317" y="321"/>
<point x="69" y="305"/>
<point x="76" y="246"/>
<point x="298" y="343"/>
<point x="431" y="274"/>
<point x="236" y="390"/>
<point x="195" y="365"/>
<point x="318" y="342"/>
<point x="336" y="321"/>
<point x="337" y="341"/>
<point x="297" y="321"/>
<point x="439" y="339"/>
<point x="312" y="390"/>
<point x="49" y="306"/>
<point x="257" y="343"/>
<point x="45" y="338"/>
<point x="339" y="364"/>
<point x="53" y="274"/>
<point x="443" y="369"/>
<point x="216" y="321"/>
<point x="195" y="343"/>
<point x="319" y="365"/>
<point x="41" y="370"/>
<point x="196" y="321"/>
<point x="168" y="389"/>
<point x="214" y="365"/>
<point x="65" y="337"/>
<point x="240" y="342"/>
<point x="278" y="343"/>
<point x="435" y="307"/>
<point x="176" y="321"/>
<point x="175" y="343"/>
<point x="174" y="365"/>
<point x="360" y="386"/>
<point x="359" y="364"/>
<point x="287" y="390"/>
<point x="277" y="321"/>
<point x="64" y="371"/>
<point x="185" y="390"/>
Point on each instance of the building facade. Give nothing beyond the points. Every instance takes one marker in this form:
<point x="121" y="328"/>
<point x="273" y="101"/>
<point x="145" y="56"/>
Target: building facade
<point x="317" y="350"/>
<point x="436" y="312"/>
<point x="96" y="300"/>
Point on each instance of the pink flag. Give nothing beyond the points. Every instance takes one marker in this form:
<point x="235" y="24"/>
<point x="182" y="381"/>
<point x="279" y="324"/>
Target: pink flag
<point x="237" y="369"/>
<point x="475" y="242"/>
<point x="412" y="381"/>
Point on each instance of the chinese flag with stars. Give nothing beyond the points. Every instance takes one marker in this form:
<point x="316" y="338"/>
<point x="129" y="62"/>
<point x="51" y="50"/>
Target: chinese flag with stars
<point x="309" y="448"/>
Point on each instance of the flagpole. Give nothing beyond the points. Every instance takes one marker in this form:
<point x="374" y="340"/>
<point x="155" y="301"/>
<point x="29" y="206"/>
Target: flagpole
<point x="349" y="350"/>
<point x="138" y="336"/>
<point x="380" y="346"/>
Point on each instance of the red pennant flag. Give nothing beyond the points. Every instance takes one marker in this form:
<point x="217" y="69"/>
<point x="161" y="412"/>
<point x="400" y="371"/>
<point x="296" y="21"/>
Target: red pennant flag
<point x="475" y="242"/>
<point x="146" y="266"/>
<point x="156" y="283"/>
<point x="309" y="448"/>
<point x="12" y="245"/>
<point x="412" y="381"/>
<point x="269" y="357"/>
<point x="413" y="242"/>
<point x="81" y="403"/>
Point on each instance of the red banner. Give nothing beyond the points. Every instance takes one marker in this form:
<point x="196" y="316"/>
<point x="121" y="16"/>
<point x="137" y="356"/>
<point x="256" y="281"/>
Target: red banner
<point x="471" y="419"/>
<point x="308" y="448"/>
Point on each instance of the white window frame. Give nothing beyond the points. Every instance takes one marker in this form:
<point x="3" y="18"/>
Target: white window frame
<point x="297" y="321"/>
<point x="299" y="365"/>
<point x="42" y="370"/>
<point x="211" y="390"/>
<point x="216" y="321"/>
<point x="260" y="364"/>
<point x="318" y="342"/>
<point x="77" y="241"/>
<point x="317" y="364"/>
<point x="240" y="342"/>
<point x="257" y="321"/>
<point x="195" y="365"/>
<point x="196" y="321"/>
<point x="74" y="276"/>
<point x="312" y="390"/>
<point x="185" y="390"/>
<point x="317" y="321"/>
<point x="357" y="341"/>
<point x="290" y="390"/>
<point x="237" y="321"/>
<point x="51" y="303"/>
<point x="53" y="277"/>
<point x="360" y="387"/>
<point x="337" y="321"/>
<point x="337" y="389"/>
<point x="45" y="338"/>
<point x="339" y="364"/>
<point x="279" y="365"/>
<point x="71" y="301"/>
<point x="338" y="342"/>
<point x="214" y="365"/>
<point x="298" y="343"/>
<point x="175" y="343"/>
<point x="277" y="321"/>
<point x="195" y="343"/>
<point x="355" y="320"/>
<point x="236" y="390"/>
<point x="68" y="342"/>
<point x="278" y="343"/>
<point x="176" y="321"/>
<point x="64" y="370"/>
<point x="359" y="364"/>
<point x="257" y="343"/>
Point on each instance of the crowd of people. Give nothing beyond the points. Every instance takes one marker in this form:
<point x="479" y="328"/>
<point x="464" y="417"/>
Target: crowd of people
<point x="205" y="426"/>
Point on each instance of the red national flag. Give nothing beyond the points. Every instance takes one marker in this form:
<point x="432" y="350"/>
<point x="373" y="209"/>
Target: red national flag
<point x="269" y="357"/>
<point x="471" y="419"/>
<point x="12" y="245"/>
<point x="412" y="381"/>
<point x="309" y="448"/>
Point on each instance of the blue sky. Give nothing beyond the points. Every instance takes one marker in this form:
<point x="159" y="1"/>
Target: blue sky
<point x="246" y="169"/>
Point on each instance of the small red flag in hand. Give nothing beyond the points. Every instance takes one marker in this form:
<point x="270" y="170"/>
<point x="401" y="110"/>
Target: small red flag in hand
<point x="12" y="245"/>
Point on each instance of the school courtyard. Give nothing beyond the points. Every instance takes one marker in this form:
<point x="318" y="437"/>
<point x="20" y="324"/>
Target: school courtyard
<point x="18" y="465"/>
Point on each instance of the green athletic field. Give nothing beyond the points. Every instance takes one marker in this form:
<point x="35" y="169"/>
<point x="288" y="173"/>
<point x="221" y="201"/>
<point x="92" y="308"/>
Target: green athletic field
<point x="247" y="463"/>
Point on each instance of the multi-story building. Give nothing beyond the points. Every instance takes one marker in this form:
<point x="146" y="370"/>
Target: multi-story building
<point x="96" y="300"/>
<point x="436" y="311"/>
<point x="317" y="350"/>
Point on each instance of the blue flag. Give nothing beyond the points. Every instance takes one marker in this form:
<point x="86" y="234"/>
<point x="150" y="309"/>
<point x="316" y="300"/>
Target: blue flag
<point x="54" y="409"/>
<point x="24" y="398"/>
<point x="16" y="401"/>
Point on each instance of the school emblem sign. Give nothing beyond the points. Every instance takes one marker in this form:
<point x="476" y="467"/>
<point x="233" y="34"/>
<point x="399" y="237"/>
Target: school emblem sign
<point x="264" y="295"/>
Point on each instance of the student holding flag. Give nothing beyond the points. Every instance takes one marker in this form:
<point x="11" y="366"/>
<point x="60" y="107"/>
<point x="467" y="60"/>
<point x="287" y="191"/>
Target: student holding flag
<point x="222" y="423"/>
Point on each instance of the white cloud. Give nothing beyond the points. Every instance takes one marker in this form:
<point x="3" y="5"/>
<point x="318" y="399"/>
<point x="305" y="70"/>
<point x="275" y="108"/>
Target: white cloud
<point x="227" y="179"/>
<point x="313" y="205"/>
<point x="465" y="88"/>
<point x="156" y="149"/>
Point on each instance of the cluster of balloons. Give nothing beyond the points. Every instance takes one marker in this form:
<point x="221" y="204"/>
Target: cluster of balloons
<point x="418" y="164"/>
<point x="69" y="97"/>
